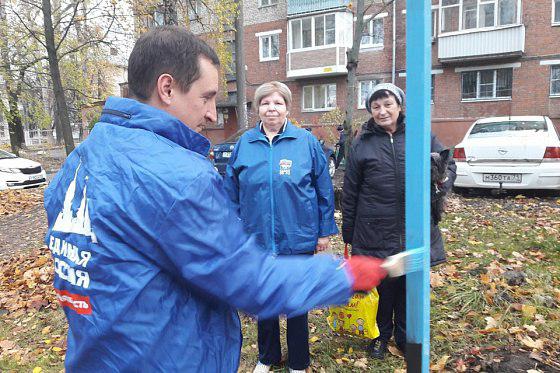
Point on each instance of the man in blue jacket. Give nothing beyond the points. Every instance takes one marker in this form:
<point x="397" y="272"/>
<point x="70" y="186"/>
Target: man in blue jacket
<point x="150" y="259"/>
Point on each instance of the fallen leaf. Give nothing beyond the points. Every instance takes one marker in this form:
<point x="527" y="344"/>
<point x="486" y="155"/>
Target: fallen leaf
<point x="529" y="342"/>
<point x="528" y="311"/>
<point x="491" y="323"/>
<point x="7" y="344"/>
<point x="313" y="339"/>
<point x="441" y="363"/>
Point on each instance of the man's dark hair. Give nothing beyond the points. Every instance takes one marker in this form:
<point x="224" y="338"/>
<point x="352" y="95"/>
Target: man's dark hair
<point x="386" y="94"/>
<point x="166" y="50"/>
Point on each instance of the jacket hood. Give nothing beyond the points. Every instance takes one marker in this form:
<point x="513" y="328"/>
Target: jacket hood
<point x="134" y="114"/>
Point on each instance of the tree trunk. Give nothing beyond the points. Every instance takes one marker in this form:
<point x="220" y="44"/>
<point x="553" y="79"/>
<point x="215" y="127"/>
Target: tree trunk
<point x="170" y="12"/>
<point x="12" y="114"/>
<point x="352" y="66"/>
<point x="15" y="127"/>
<point x="60" y="99"/>
<point x="240" y="69"/>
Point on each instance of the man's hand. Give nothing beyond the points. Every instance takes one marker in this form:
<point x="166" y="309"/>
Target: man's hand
<point x="323" y="244"/>
<point x="366" y="272"/>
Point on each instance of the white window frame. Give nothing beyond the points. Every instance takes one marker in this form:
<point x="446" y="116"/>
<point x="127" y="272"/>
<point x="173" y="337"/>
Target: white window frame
<point x="477" y="28"/>
<point x="313" y="107"/>
<point x="555" y="11"/>
<point x="369" y="20"/>
<point x="478" y="85"/>
<point x="267" y="3"/>
<point x="361" y="102"/>
<point x="268" y="35"/>
<point x="313" y="46"/>
<point x="554" y="94"/>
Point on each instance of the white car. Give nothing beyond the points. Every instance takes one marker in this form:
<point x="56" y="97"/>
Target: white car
<point x="521" y="152"/>
<point x="20" y="173"/>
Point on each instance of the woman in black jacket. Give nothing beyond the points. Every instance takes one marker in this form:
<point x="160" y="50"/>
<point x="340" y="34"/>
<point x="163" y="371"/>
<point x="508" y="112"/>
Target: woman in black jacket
<point x="373" y="204"/>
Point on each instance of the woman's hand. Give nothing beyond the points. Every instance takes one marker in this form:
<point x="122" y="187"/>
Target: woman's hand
<point x="323" y="244"/>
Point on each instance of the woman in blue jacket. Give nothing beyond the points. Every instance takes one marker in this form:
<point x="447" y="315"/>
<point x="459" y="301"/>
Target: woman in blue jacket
<point x="278" y="177"/>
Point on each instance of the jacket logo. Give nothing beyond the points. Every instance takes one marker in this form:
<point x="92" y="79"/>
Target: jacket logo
<point x="75" y="302"/>
<point x="79" y="224"/>
<point x="285" y="167"/>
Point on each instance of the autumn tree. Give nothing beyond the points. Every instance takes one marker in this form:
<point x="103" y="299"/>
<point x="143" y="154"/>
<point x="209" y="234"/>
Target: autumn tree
<point x="62" y="29"/>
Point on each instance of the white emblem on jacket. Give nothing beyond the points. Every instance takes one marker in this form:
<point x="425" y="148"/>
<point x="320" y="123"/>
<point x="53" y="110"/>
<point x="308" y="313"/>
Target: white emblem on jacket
<point x="79" y="224"/>
<point x="285" y="166"/>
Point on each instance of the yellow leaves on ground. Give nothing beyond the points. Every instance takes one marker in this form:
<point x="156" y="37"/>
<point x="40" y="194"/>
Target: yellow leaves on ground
<point x="16" y="201"/>
<point x="313" y="339"/>
<point x="531" y="343"/>
<point x="439" y="366"/>
<point x="528" y="311"/>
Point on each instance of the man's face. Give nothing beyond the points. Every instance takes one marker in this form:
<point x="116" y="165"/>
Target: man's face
<point x="197" y="106"/>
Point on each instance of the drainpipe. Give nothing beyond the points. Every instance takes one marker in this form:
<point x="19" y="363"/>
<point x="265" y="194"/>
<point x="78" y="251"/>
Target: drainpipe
<point x="393" y="67"/>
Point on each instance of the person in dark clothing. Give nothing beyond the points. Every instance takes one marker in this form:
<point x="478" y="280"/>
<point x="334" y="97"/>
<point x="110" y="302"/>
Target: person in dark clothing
<point x="341" y="141"/>
<point x="373" y="204"/>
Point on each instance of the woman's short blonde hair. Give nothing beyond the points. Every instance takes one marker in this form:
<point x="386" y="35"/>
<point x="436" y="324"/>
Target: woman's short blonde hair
<point x="268" y="89"/>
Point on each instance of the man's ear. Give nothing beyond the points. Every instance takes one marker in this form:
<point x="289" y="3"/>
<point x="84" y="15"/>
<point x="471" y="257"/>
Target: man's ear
<point x="164" y="87"/>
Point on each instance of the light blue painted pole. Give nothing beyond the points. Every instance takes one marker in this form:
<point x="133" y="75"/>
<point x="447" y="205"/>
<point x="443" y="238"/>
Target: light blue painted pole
<point x="418" y="90"/>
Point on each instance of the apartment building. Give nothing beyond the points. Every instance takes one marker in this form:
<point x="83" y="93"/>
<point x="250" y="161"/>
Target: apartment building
<point x="489" y="57"/>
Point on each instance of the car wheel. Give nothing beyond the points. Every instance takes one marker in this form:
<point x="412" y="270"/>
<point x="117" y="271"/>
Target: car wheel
<point x="332" y="166"/>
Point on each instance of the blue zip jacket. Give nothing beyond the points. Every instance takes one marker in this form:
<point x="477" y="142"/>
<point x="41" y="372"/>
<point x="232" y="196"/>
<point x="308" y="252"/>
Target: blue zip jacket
<point x="151" y="259"/>
<point x="283" y="189"/>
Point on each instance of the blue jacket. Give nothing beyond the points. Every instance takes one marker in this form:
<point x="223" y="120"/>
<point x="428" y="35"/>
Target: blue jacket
<point x="151" y="260"/>
<point x="283" y="190"/>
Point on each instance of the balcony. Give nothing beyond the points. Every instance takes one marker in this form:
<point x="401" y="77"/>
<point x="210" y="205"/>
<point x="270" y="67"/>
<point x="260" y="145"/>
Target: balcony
<point x="310" y="6"/>
<point x="317" y="44"/>
<point x="316" y="62"/>
<point x="482" y="44"/>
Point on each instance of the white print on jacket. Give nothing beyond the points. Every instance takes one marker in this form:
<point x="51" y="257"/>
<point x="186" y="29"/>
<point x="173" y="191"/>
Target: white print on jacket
<point x="285" y="167"/>
<point x="79" y="224"/>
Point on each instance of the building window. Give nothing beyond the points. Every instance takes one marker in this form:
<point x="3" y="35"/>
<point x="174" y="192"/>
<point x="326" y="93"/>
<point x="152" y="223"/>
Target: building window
<point x="555" y="80"/>
<point x="373" y="33"/>
<point x="319" y="97"/>
<point x="556" y="11"/>
<point x="366" y="86"/>
<point x="457" y="15"/>
<point x="267" y="2"/>
<point x="269" y="47"/>
<point x="434" y="23"/>
<point x="313" y="31"/>
<point x="486" y="84"/>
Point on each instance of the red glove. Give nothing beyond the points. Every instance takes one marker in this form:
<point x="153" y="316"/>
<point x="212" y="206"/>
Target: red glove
<point x="366" y="271"/>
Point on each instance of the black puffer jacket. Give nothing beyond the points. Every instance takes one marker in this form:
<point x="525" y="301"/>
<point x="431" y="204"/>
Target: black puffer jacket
<point x="373" y="206"/>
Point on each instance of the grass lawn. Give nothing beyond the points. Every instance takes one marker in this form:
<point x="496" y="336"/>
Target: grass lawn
<point x="495" y="303"/>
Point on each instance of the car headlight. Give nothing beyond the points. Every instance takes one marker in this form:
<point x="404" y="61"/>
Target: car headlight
<point x="10" y="170"/>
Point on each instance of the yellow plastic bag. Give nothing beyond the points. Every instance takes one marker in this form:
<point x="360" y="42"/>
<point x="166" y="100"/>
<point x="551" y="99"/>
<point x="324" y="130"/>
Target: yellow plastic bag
<point x="358" y="317"/>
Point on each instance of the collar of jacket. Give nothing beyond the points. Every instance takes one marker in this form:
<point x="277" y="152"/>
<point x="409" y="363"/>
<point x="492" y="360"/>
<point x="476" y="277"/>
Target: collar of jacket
<point x="134" y="114"/>
<point x="255" y="134"/>
<point x="371" y="128"/>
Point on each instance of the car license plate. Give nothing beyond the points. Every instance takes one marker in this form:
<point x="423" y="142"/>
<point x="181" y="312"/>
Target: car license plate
<point x="501" y="178"/>
<point x="226" y="154"/>
<point x="35" y="177"/>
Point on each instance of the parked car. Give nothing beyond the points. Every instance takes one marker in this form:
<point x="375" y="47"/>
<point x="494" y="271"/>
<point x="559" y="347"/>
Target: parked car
<point x="521" y="152"/>
<point x="220" y="153"/>
<point x="20" y="173"/>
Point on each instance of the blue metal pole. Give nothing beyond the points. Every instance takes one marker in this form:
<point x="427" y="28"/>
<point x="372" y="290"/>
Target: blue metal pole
<point x="418" y="89"/>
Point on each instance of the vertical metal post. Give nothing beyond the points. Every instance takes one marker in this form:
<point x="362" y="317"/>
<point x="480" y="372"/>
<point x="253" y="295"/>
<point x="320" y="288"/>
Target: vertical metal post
<point x="418" y="138"/>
